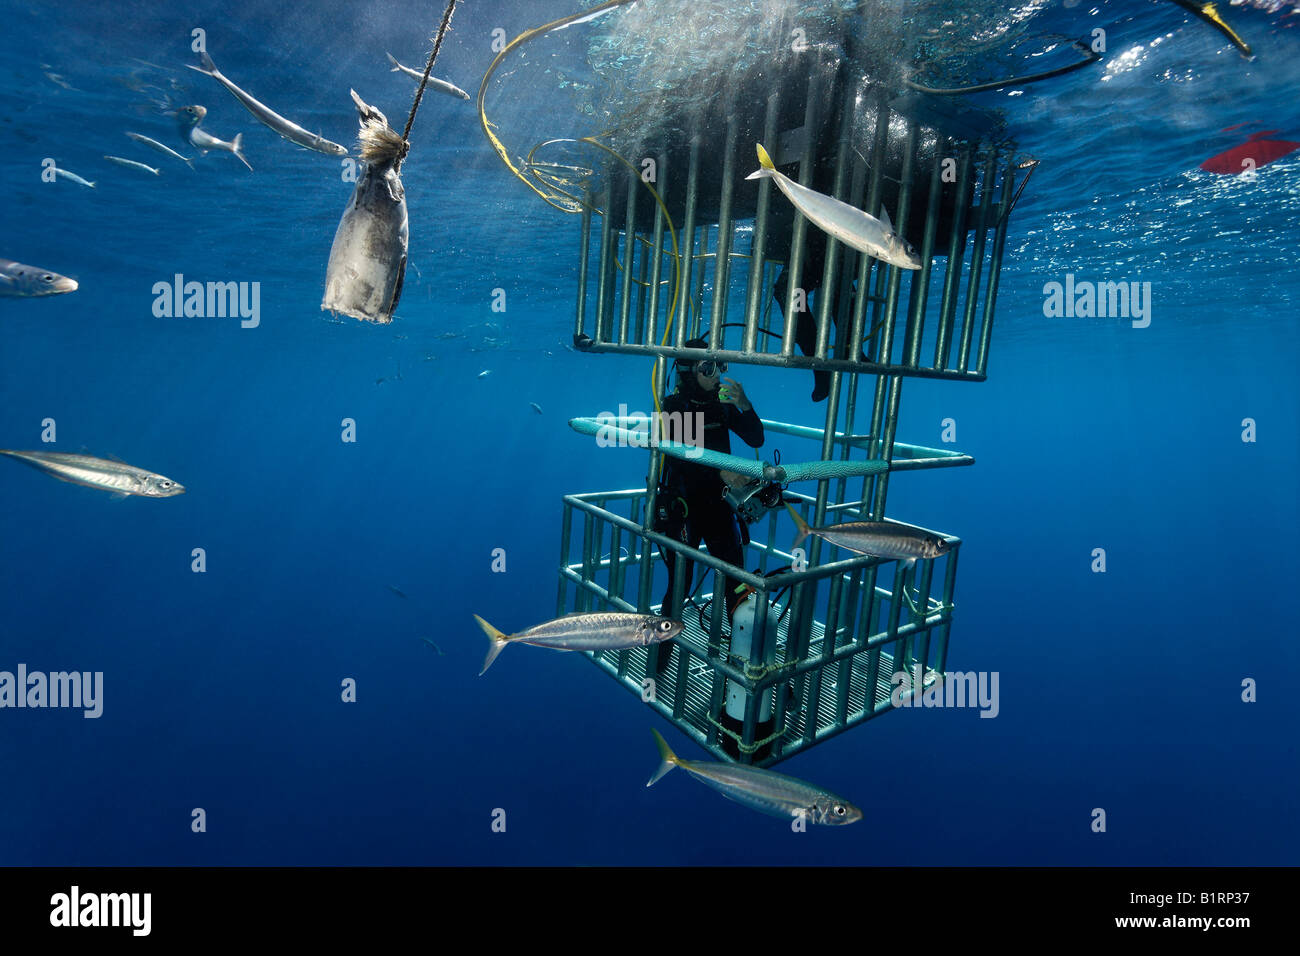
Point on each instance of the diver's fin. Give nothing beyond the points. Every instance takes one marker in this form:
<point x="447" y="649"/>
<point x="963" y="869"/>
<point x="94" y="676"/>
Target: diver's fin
<point x="498" y="643"/>
<point x="667" y="759"/>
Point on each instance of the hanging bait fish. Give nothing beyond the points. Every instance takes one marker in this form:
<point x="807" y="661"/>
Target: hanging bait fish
<point x="848" y="224"/>
<point x="115" y="476"/>
<point x="368" y="257"/>
<point x="290" y="131"/>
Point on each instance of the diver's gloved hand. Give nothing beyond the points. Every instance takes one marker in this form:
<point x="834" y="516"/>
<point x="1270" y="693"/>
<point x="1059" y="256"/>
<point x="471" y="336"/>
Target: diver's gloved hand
<point x="733" y="393"/>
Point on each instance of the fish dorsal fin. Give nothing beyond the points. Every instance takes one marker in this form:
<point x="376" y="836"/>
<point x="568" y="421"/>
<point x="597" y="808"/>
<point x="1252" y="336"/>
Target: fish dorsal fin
<point x="884" y="217"/>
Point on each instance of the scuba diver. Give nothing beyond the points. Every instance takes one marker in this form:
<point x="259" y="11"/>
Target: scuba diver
<point x="690" y="505"/>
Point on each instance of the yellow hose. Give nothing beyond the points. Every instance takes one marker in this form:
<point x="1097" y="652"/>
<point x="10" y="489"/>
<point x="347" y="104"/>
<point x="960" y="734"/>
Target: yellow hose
<point x="556" y="197"/>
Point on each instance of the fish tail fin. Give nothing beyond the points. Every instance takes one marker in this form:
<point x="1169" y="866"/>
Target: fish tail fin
<point x="766" y="167"/>
<point x="804" y="529"/>
<point x="498" y="643"/>
<point x="237" y="148"/>
<point x="393" y="60"/>
<point x="208" y="66"/>
<point x="667" y="759"/>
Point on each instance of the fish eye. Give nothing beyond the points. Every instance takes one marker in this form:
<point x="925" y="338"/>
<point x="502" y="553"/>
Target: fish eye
<point x="164" y="483"/>
<point x="47" y="278"/>
<point x="839" y="811"/>
<point x="665" y="626"/>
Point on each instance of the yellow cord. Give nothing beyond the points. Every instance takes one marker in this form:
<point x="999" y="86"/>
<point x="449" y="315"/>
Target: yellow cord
<point x="558" y="198"/>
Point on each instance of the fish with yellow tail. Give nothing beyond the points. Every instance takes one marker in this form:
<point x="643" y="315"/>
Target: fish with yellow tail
<point x="881" y="539"/>
<point x="763" y="790"/>
<point x="603" y="631"/>
<point x="848" y="224"/>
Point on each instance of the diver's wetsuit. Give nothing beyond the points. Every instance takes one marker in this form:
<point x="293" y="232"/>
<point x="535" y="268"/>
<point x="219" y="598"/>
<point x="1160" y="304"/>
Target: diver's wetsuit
<point x="690" y="506"/>
<point x="805" y="330"/>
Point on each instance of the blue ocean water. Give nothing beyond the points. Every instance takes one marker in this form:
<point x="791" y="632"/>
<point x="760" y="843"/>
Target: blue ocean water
<point x="1120" y="690"/>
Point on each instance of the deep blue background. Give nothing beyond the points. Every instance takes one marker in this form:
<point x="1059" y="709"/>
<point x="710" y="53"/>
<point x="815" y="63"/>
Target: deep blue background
<point x="1119" y="691"/>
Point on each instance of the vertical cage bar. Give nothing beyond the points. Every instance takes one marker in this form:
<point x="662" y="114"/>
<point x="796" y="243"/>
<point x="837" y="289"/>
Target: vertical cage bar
<point x="701" y="272"/>
<point x="886" y="353"/>
<point x="722" y="264"/>
<point x="566" y="531"/>
<point x="956" y="254"/>
<point x="686" y="248"/>
<point x="995" y="268"/>
<point x="976" y="263"/>
<point x="831" y="266"/>
<point x="794" y="267"/>
<point x="603" y="290"/>
<point x="584" y="244"/>
<point x="921" y="284"/>
<point x="757" y="292"/>
<point x="656" y="269"/>
<point x="629" y="255"/>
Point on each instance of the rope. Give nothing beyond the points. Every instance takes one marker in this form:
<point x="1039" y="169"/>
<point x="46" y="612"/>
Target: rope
<point x="1089" y="56"/>
<point x="437" y="45"/>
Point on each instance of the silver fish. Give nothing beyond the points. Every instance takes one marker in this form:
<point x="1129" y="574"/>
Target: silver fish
<point x="763" y="790"/>
<point x="603" y="631"/>
<point x="58" y="80"/>
<point x="190" y="117"/>
<point x="64" y="174"/>
<point x="132" y="164"/>
<point x="115" y="476"/>
<point x="164" y="149"/>
<point x="848" y="224"/>
<point x="882" y="539"/>
<point x="442" y="86"/>
<point x="18" y="281"/>
<point x="368" y="258"/>
<point x="290" y="131"/>
<point x="537" y="408"/>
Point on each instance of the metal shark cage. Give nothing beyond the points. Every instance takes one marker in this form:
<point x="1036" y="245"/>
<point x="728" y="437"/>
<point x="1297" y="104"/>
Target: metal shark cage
<point x="849" y="623"/>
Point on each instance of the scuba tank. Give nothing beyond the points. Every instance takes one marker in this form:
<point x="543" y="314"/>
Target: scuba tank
<point x="744" y="623"/>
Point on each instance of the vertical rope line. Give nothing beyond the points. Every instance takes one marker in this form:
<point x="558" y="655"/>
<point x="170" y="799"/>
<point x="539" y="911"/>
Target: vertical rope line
<point x="437" y="45"/>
